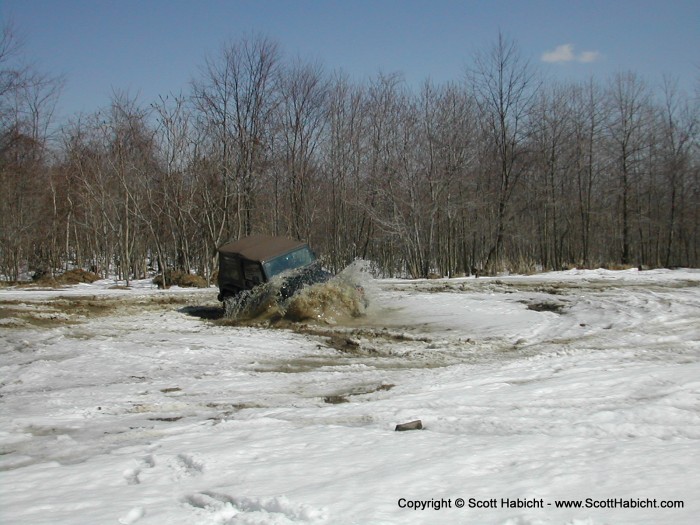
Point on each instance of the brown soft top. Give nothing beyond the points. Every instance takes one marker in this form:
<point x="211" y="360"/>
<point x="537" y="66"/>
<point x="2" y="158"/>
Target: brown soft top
<point x="261" y="247"/>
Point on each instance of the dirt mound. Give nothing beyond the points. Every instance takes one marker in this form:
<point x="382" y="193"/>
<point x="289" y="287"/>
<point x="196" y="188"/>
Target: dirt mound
<point x="77" y="276"/>
<point x="183" y="279"/>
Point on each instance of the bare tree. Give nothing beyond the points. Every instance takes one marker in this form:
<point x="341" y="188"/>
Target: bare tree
<point x="171" y="195"/>
<point x="237" y="97"/>
<point x="12" y="74"/>
<point x="629" y="99"/>
<point x="384" y="218"/>
<point x="504" y="85"/>
<point x="588" y="121"/>
<point x="342" y="155"/>
<point x="302" y="111"/>
<point x="679" y="125"/>
<point x="552" y="173"/>
<point x="27" y="102"/>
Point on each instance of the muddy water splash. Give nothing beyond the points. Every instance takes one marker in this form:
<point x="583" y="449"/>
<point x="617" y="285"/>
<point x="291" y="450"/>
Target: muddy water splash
<point x="341" y="299"/>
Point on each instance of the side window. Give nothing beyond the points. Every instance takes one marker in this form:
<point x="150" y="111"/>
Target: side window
<point x="252" y="272"/>
<point x="230" y="267"/>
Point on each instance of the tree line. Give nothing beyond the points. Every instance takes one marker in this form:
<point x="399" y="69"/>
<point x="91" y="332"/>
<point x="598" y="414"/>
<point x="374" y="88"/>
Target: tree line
<point x="500" y="170"/>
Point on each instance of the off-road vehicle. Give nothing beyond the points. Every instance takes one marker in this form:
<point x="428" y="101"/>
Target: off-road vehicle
<point x="252" y="261"/>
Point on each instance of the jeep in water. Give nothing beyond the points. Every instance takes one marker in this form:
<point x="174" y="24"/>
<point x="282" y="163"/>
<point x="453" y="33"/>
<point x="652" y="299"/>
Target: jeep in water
<point x="252" y="261"/>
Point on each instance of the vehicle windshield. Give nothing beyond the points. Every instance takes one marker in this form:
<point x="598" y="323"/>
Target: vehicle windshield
<point x="297" y="259"/>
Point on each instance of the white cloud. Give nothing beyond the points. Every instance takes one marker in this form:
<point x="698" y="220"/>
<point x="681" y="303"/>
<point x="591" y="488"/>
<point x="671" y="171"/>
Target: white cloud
<point x="565" y="53"/>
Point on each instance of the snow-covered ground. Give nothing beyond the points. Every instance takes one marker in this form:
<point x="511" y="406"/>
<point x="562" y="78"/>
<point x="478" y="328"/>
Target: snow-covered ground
<point x="135" y="406"/>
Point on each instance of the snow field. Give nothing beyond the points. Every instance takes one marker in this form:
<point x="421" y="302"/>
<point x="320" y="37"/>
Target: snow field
<point x="559" y="386"/>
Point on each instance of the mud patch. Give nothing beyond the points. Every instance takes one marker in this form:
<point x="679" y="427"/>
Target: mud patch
<point x="336" y="399"/>
<point x="234" y="407"/>
<point x="64" y="310"/>
<point x="50" y="431"/>
<point x="301" y="365"/>
<point x="545" y="306"/>
<point x="223" y="411"/>
<point x="209" y="313"/>
<point x="23" y="315"/>
<point x="361" y="341"/>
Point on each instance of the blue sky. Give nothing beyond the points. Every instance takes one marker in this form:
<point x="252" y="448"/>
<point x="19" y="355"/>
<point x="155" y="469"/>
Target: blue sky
<point x="154" y="47"/>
